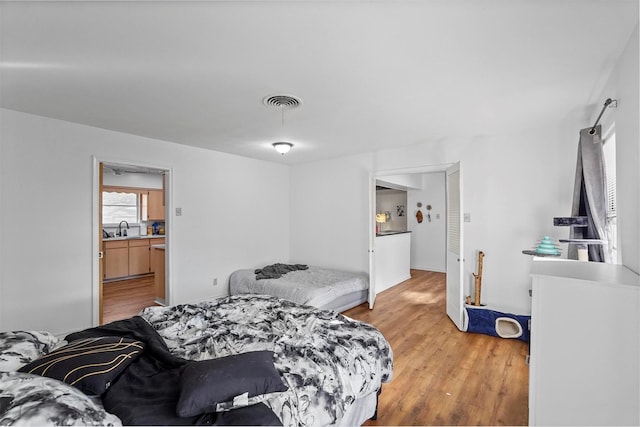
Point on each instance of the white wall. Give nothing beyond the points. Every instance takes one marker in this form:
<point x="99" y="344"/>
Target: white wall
<point x="330" y="213"/>
<point x="428" y="239"/>
<point x="388" y="201"/>
<point x="46" y="277"/>
<point x="513" y="185"/>
<point x="623" y="86"/>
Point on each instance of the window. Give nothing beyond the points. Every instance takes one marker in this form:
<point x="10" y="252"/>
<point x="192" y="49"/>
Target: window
<point x="609" y="153"/>
<point x="120" y="206"/>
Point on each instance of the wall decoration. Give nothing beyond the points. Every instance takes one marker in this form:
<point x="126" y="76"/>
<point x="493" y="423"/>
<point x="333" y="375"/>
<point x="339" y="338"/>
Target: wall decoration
<point x="419" y="216"/>
<point x="400" y="210"/>
<point x="429" y="213"/>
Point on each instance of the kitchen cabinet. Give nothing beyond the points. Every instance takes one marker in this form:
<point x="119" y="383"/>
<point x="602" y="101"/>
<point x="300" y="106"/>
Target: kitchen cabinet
<point x="154" y="241"/>
<point x="116" y="259"/>
<point x="155" y="205"/>
<point x="128" y="257"/>
<point x="139" y="257"/>
<point x="158" y="260"/>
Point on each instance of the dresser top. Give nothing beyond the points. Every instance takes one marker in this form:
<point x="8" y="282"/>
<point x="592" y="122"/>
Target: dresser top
<point x="614" y="274"/>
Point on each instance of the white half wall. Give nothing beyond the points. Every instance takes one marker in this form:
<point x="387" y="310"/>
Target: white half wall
<point x="46" y="186"/>
<point x="392" y="260"/>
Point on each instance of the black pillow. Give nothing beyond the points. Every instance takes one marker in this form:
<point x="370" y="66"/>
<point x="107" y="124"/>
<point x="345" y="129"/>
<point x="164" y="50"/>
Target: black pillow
<point x="255" y="415"/>
<point x="212" y="385"/>
<point x="89" y="364"/>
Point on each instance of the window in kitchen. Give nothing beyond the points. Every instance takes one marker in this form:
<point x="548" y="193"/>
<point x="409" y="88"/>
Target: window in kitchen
<point x="118" y="206"/>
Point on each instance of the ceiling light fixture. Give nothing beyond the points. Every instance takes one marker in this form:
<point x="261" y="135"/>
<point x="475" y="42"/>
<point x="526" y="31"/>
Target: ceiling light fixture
<point x="282" y="147"/>
<point x="282" y="102"/>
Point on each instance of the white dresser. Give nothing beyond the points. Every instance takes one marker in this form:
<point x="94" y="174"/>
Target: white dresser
<point x="585" y="344"/>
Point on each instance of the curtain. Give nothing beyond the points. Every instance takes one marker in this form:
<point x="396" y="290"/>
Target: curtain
<point x="590" y="195"/>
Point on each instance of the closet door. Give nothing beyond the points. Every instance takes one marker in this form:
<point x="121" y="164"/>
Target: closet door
<point x="455" y="260"/>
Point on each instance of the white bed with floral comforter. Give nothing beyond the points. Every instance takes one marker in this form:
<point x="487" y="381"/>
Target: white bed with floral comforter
<point x="329" y="362"/>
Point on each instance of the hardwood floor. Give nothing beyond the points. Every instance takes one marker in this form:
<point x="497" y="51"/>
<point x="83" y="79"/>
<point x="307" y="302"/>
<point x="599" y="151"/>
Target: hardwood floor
<point x="125" y="298"/>
<point x="443" y="376"/>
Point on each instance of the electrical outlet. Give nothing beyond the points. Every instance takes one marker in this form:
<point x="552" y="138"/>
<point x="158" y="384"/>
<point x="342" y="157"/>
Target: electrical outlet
<point x="215" y="281"/>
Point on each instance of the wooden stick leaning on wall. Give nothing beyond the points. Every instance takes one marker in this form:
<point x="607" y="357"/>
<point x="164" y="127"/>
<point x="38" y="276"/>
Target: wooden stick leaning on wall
<point x="477" y="278"/>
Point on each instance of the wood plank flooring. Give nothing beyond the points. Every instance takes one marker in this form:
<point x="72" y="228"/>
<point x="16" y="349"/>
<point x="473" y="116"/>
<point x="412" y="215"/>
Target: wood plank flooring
<point x="443" y="376"/>
<point x="125" y="298"/>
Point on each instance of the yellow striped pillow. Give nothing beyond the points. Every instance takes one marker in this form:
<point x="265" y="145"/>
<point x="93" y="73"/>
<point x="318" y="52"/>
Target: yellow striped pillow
<point x="90" y="364"/>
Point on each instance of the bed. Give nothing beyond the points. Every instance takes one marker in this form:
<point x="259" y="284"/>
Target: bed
<point x="239" y="360"/>
<point x="319" y="287"/>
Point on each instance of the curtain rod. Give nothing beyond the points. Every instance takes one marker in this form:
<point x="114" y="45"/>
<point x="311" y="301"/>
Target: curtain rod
<point x="606" y="104"/>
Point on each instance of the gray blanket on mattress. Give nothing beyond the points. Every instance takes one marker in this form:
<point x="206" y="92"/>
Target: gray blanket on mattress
<point x="315" y="286"/>
<point x="275" y="271"/>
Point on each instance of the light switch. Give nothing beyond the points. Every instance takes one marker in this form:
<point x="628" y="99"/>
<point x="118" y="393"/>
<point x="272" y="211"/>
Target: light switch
<point x="467" y="217"/>
<point x="178" y="211"/>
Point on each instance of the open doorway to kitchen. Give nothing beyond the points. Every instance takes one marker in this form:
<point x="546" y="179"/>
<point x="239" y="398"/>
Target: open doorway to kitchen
<point x="419" y="201"/>
<point x="130" y="214"/>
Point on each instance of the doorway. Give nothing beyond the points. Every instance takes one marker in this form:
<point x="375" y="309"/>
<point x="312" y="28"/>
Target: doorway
<point x="133" y="242"/>
<point x="452" y="250"/>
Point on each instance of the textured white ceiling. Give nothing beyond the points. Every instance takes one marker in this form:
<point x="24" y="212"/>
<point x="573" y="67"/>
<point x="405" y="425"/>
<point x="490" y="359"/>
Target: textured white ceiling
<point x="371" y="74"/>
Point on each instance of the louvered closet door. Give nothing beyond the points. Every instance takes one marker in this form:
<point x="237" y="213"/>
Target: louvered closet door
<point x="455" y="261"/>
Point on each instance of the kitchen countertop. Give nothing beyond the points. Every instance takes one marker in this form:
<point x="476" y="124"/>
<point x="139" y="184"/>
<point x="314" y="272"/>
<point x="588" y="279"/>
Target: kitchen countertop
<point x="390" y="233"/>
<point x="146" y="236"/>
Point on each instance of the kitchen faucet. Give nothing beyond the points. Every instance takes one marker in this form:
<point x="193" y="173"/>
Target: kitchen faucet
<point x="120" y="228"/>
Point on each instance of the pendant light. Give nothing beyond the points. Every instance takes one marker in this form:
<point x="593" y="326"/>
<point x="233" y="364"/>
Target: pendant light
<point x="282" y="102"/>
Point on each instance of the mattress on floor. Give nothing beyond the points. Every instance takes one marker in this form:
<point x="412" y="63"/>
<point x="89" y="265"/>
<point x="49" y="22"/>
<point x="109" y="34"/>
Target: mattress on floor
<point x="318" y="287"/>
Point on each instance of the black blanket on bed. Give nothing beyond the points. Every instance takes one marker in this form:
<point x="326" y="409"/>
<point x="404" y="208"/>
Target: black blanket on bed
<point x="275" y="271"/>
<point x="147" y="392"/>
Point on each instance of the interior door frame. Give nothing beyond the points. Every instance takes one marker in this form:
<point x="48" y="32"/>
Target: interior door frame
<point x="372" y="240"/>
<point x="372" y="210"/>
<point x="96" y="230"/>
<point x="100" y="246"/>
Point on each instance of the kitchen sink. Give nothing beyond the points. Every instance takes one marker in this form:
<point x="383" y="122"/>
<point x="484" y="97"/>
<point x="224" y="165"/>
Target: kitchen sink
<point x="146" y="236"/>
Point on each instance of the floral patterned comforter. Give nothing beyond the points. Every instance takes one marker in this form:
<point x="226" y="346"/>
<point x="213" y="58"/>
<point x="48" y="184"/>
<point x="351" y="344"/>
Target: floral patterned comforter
<point x="328" y="360"/>
<point x="27" y="399"/>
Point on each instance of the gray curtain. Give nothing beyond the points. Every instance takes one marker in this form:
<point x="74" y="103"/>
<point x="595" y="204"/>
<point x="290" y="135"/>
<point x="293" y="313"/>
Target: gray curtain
<point x="590" y="195"/>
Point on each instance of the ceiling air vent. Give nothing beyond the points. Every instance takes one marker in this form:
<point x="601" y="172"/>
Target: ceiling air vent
<point x="282" y="101"/>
